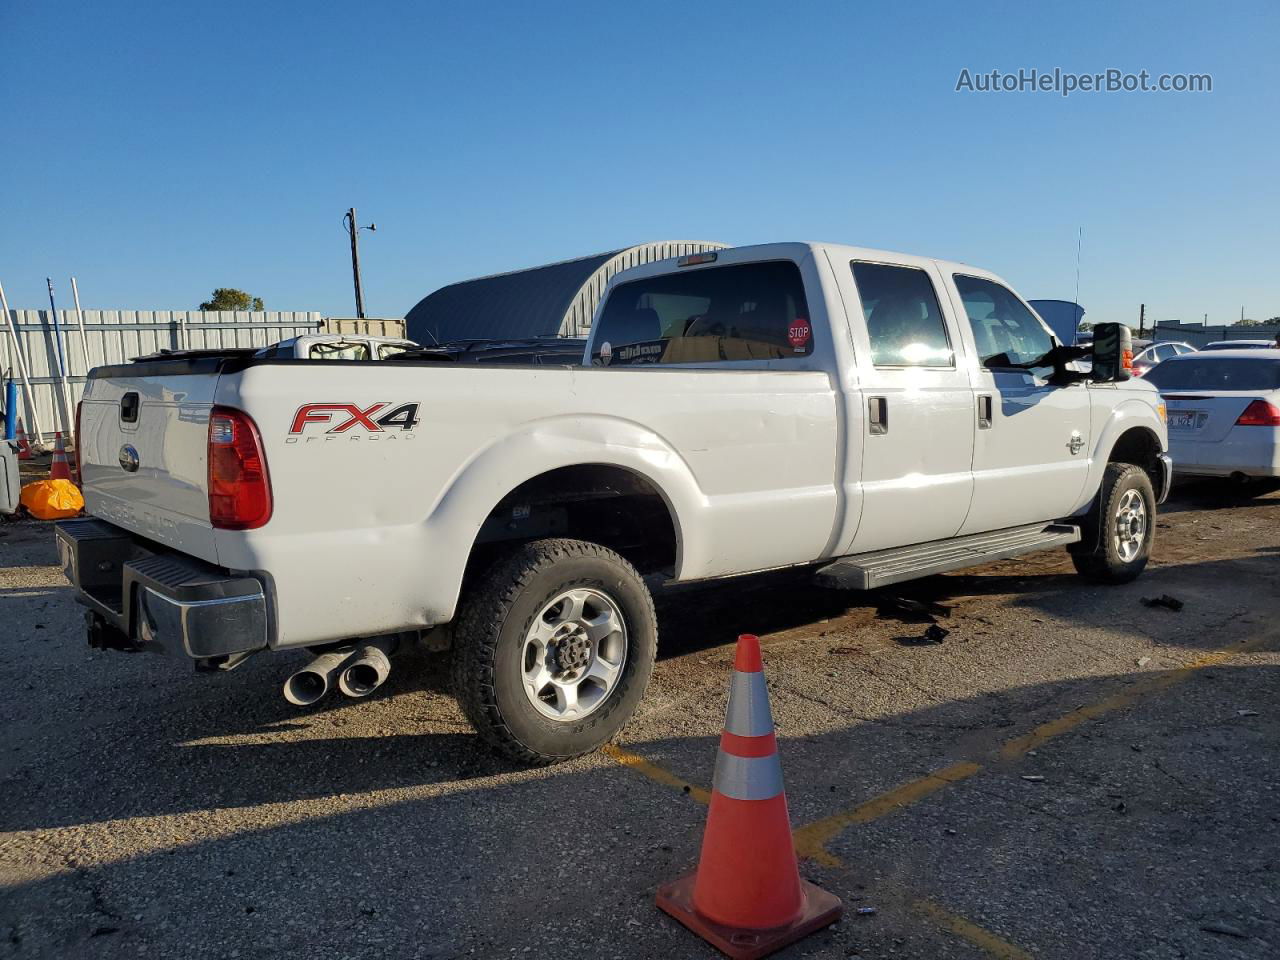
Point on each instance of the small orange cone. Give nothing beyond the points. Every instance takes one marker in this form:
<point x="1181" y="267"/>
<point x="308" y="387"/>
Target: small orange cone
<point x="24" y="445"/>
<point x="747" y="898"/>
<point x="60" y="469"/>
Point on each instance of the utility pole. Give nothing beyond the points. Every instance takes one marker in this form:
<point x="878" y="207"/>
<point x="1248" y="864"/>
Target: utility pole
<point x="353" y="230"/>
<point x="1142" y="318"/>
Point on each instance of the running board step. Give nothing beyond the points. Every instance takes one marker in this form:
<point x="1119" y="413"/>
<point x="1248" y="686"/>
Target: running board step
<point x="866" y="571"/>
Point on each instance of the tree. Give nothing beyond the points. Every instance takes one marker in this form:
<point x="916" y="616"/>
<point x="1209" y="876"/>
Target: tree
<point x="1244" y="322"/>
<point x="229" y="298"/>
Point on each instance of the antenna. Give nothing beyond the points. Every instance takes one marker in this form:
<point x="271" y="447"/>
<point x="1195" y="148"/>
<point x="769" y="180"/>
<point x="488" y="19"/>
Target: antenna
<point x="1079" y="244"/>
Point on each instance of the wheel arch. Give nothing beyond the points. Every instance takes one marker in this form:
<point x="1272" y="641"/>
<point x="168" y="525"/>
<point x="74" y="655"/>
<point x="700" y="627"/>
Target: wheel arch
<point x="1132" y="433"/>
<point x="586" y="455"/>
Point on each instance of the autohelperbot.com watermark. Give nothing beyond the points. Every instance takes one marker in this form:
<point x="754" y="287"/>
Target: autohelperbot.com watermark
<point x="1065" y="83"/>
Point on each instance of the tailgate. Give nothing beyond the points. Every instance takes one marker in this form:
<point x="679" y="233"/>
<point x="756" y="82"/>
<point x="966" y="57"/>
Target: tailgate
<point x="144" y="441"/>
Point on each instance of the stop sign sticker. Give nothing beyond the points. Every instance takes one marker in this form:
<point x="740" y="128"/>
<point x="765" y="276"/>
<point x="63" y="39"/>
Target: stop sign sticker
<point x="798" y="334"/>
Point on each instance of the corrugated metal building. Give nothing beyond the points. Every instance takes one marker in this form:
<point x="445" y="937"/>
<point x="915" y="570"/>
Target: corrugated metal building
<point x="558" y="299"/>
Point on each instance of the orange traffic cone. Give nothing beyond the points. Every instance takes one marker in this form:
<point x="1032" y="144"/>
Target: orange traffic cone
<point x="60" y="469"/>
<point x="24" y="445"/>
<point x="747" y="898"/>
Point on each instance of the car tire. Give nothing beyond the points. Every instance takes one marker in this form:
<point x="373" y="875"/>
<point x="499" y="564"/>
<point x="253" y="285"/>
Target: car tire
<point x="518" y="649"/>
<point x="1121" y="528"/>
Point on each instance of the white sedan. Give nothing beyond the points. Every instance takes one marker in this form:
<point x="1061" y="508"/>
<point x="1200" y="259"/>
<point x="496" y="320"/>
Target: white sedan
<point x="1224" y="412"/>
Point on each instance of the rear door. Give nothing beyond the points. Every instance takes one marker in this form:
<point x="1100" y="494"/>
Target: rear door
<point x="1032" y="449"/>
<point x="143" y="450"/>
<point x="917" y="420"/>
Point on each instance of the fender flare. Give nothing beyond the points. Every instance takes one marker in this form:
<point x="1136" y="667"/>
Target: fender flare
<point x="1127" y="415"/>
<point x="541" y="446"/>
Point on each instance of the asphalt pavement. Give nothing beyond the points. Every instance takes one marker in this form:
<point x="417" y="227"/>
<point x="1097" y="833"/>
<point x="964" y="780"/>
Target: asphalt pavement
<point x="1070" y="773"/>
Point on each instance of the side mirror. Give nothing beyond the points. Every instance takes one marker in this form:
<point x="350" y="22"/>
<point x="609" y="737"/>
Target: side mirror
<point x="1112" y="353"/>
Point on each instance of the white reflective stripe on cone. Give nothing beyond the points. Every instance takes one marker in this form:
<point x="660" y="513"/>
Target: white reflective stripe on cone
<point x="748" y="714"/>
<point x="748" y="778"/>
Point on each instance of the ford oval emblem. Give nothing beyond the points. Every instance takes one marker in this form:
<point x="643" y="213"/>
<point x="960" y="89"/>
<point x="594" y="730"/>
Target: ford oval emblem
<point x="129" y="459"/>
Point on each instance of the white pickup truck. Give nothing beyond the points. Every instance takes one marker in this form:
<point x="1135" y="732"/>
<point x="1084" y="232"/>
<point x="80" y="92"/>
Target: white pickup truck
<point x="872" y="415"/>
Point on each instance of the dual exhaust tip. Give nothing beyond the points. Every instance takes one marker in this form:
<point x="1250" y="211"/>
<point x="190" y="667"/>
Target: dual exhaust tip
<point x="359" y="671"/>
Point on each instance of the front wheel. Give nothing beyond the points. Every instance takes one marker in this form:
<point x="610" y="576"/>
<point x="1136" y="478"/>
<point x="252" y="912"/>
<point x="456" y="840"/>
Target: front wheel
<point x="554" y="649"/>
<point x="1125" y="527"/>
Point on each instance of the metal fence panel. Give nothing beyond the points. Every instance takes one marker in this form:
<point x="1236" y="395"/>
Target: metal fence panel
<point x="117" y="336"/>
<point x="1198" y="334"/>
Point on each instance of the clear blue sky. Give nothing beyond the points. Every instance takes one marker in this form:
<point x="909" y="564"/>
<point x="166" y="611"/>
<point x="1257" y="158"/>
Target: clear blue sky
<point x="157" y="150"/>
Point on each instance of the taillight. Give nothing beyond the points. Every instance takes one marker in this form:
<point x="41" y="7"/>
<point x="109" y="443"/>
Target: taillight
<point x="1259" y="414"/>
<point x="78" y="444"/>
<point x="239" y="488"/>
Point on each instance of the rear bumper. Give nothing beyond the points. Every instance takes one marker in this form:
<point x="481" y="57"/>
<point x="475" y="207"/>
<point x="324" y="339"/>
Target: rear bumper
<point x="162" y="602"/>
<point x="1254" y="455"/>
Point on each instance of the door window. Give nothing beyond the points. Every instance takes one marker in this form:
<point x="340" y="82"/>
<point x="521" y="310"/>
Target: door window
<point x="750" y="311"/>
<point x="1007" y="334"/>
<point x="904" y="322"/>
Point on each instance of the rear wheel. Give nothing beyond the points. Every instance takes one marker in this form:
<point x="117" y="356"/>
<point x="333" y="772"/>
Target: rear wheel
<point x="553" y="650"/>
<point x="1122" y="529"/>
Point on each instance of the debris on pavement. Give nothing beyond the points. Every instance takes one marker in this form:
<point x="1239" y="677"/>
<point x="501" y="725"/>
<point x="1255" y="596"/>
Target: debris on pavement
<point x="932" y="635"/>
<point x="1033" y="778"/>
<point x="910" y="611"/>
<point x="1247" y="713"/>
<point x="1164" y="600"/>
<point x="1143" y="661"/>
<point x="1225" y="929"/>
<point x="865" y="911"/>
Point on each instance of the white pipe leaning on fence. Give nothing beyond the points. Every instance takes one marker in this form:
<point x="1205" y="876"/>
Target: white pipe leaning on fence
<point x="84" y="337"/>
<point x="67" y="416"/>
<point x="32" y="423"/>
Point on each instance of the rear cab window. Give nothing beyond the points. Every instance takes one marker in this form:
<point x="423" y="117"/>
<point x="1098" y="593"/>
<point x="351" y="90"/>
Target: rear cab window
<point x="723" y="314"/>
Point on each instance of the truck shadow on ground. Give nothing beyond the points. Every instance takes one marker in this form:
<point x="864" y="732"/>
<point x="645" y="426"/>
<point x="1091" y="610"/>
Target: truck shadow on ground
<point x="1212" y="493"/>
<point x="405" y="876"/>
<point x="239" y="721"/>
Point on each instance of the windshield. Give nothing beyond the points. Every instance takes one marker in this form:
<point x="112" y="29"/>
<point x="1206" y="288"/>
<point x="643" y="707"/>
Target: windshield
<point x="1226" y="373"/>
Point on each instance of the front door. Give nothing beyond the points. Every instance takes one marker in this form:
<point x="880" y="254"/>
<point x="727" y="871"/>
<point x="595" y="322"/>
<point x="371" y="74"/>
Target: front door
<point x="1032" y="446"/>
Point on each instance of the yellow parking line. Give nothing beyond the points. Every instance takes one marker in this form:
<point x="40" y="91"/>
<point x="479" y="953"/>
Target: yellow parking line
<point x="656" y="773"/>
<point x="984" y="940"/>
<point x="812" y="838"/>
<point x="1143" y="687"/>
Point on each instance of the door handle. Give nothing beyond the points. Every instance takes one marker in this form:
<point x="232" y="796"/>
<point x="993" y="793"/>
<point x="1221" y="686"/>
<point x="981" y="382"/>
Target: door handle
<point x="984" y="411"/>
<point x="877" y="416"/>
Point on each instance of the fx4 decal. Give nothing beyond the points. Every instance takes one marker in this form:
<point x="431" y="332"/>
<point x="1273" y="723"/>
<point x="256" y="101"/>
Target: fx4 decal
<point x="332" y="420"/>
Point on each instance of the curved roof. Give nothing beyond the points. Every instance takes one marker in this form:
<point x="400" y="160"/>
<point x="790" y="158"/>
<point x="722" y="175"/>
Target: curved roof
<point x="558" y="299"/>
